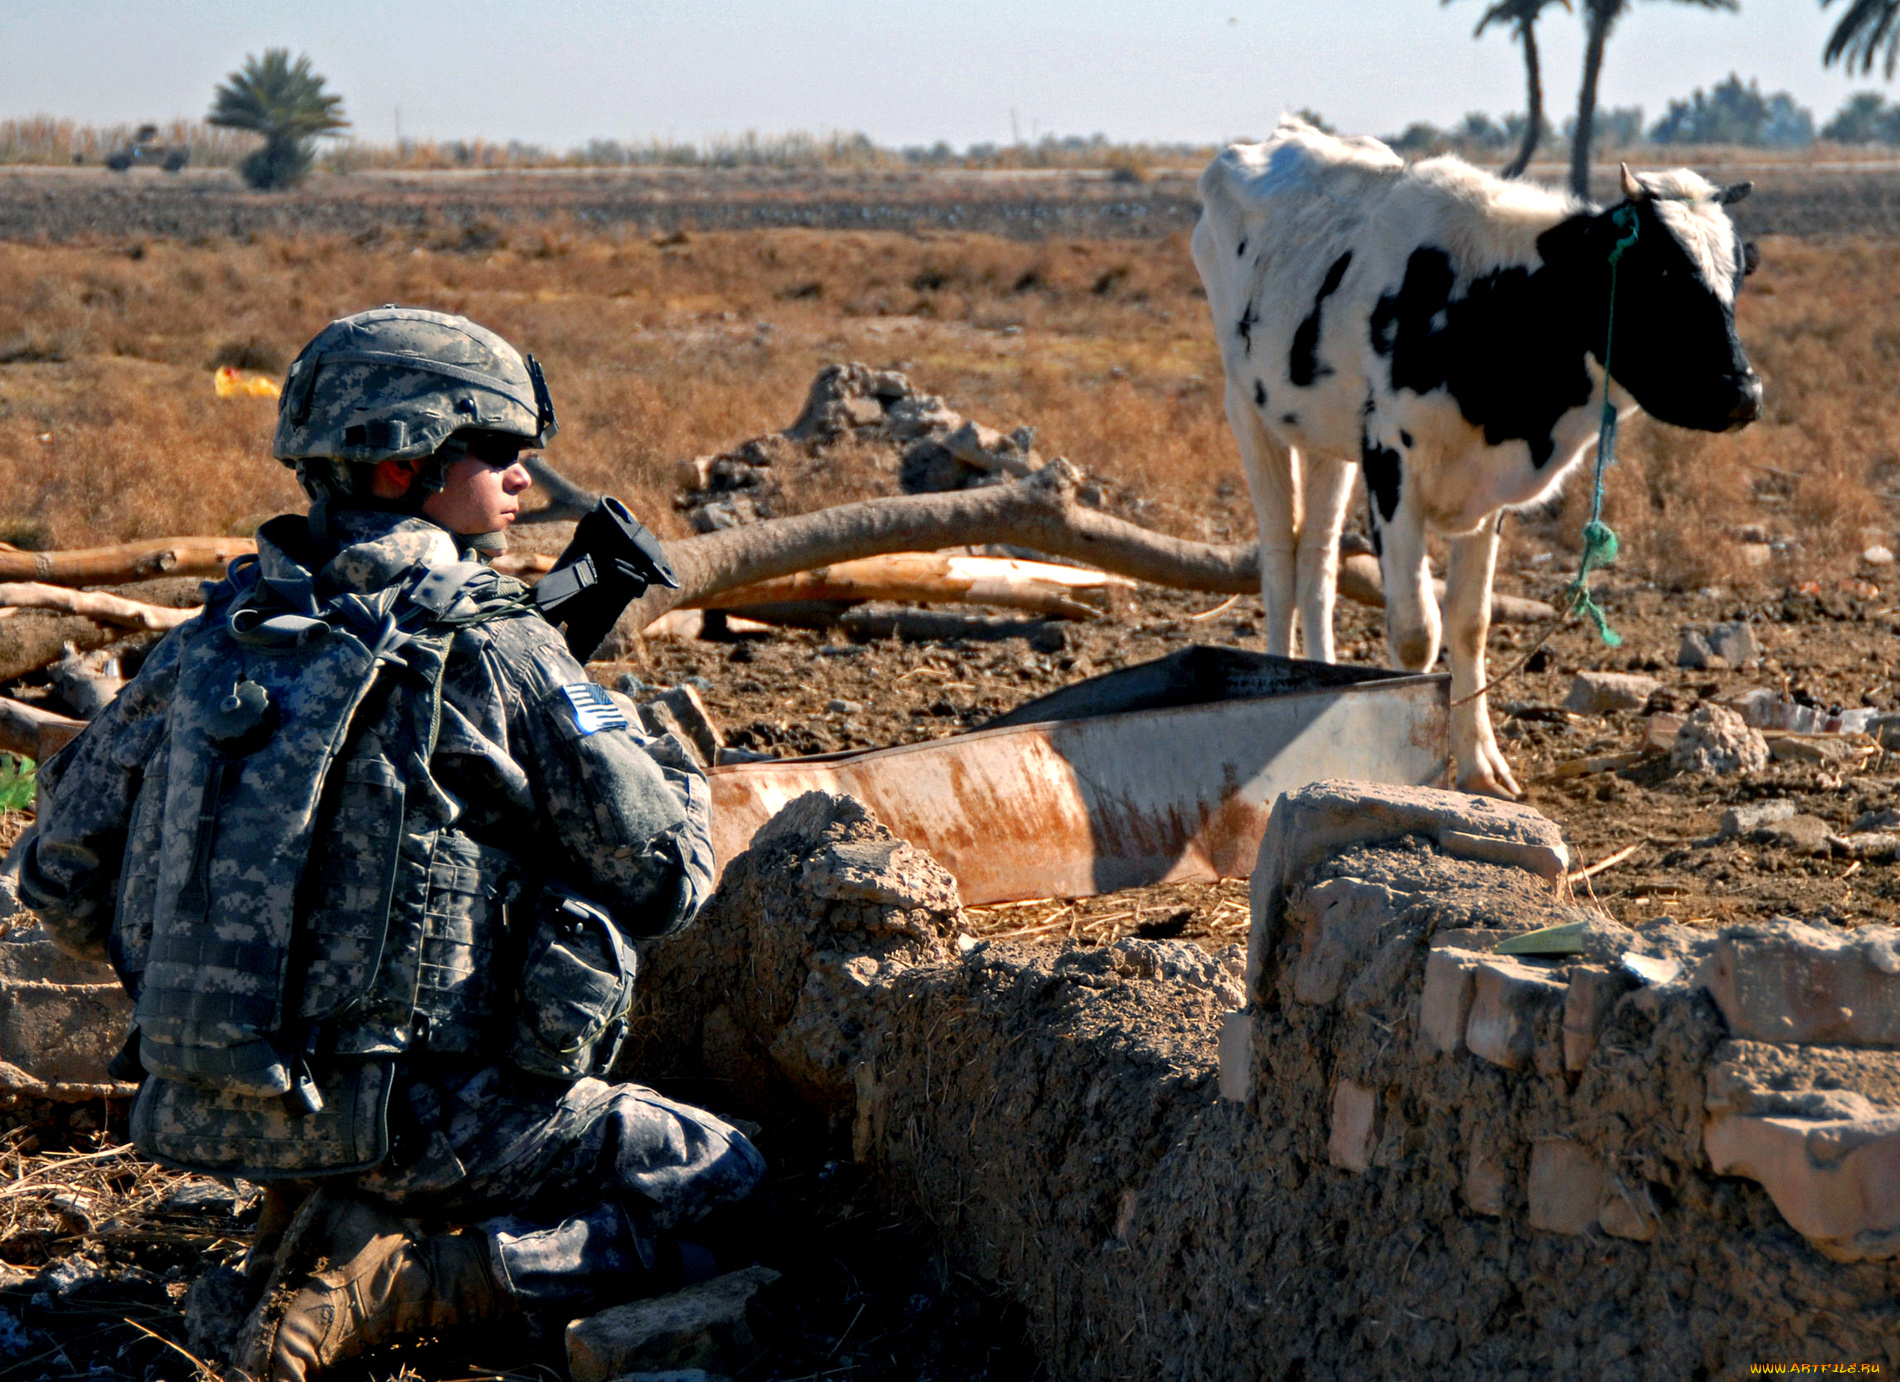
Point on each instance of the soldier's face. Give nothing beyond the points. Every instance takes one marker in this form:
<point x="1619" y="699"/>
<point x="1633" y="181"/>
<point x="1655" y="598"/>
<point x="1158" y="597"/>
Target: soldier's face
<point x="478" y="496"/>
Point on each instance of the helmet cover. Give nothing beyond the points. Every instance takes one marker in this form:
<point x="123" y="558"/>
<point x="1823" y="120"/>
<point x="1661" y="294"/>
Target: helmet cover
<point x="395" y="383"/>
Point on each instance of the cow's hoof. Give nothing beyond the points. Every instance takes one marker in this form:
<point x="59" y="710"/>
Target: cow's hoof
<point x="1491" y="777"/>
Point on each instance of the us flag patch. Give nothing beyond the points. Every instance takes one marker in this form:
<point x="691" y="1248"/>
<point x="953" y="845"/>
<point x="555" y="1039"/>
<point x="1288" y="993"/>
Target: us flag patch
<point x="593" y="709"/>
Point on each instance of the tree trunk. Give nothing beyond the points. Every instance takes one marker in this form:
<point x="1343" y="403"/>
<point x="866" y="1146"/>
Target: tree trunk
<point x="125" y="562"/>
<point x="92" y="604"/>
<point x="1533" y="100"/>
<point x="1040" y="512"/>
<point x="1601" y="17"/>
<point x="567" y="501"/>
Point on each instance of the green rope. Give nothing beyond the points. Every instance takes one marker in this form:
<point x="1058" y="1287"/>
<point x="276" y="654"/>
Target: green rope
<point x="1599" y="541"/>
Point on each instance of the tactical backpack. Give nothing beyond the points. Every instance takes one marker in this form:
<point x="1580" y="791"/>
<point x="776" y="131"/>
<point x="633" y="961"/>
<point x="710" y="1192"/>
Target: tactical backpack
<point x="300" y="922"/>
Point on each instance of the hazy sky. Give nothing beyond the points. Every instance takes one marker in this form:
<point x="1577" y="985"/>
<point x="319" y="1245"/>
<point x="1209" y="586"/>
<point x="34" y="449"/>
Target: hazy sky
<point x="901" y="71"/>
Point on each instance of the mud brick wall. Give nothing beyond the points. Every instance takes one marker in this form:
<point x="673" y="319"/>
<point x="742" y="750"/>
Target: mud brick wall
<point x="1665" y="1154"/>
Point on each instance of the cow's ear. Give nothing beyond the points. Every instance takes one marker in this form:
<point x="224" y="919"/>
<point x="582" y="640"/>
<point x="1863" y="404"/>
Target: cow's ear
<point x="1733" y="193"/>
<point x="1751" y="258"/>
<point x="1567" y="242"/>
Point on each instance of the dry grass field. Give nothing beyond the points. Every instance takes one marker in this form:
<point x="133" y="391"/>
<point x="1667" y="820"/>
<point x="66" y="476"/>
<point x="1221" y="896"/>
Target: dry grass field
<point x="663" y="348"/>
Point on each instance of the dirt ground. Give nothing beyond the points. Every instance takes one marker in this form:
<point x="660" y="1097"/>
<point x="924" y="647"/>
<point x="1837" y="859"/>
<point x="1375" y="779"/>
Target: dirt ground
<point x="805" y="692"/>
<point x="1855" y="197"/>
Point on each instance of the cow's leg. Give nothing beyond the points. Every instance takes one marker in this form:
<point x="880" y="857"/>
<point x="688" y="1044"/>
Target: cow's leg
<point x="1273" y="480"/>
<point x="1325" y="488"/>
<point x="1480" y="763"/>
<point x="1411" y="610"/>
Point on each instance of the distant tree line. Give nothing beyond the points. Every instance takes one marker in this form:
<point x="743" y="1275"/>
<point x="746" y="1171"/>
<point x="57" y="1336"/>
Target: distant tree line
<point x="1733" y="112"/>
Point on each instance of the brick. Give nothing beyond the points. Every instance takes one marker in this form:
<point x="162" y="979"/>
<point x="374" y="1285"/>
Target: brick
<point x="1340" y="922"/>
<point x="1836" y="1181"/>
<point x="1508" y="996"/>
<point x="1236" y="1055"/>
<point x="1320" y="819"/>
<point x="703" y="1326"/>
<point x="1600" y="693"/>
<point x="1445" y="1005"/>
<point x="1567" y="1186"/>
<point x="1797" y="983"/>
<point x="1592" y="993"/>
<point x="1547" y="861"/>
<point x="1355" y="1128"/>
<point x="1485" y="1178"/>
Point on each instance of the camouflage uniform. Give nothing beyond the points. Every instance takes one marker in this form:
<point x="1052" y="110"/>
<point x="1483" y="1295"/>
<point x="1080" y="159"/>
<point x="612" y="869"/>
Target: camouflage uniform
<point x="586" y="1191"/>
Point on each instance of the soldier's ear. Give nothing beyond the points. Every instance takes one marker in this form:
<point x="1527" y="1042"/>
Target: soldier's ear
<point x="393" y="478"/>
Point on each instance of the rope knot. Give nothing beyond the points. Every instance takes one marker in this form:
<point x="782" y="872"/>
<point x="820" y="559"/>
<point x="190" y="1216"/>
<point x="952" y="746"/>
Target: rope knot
<point x="1599" y="543"/>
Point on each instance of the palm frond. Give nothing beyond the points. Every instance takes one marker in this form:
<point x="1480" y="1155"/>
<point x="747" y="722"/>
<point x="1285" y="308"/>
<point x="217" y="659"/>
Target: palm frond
<point x="277" y="97"/>
<point x="1868" y="28"/>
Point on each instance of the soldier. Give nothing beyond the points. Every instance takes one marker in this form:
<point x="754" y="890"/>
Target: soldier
<point x="365" y="845"/>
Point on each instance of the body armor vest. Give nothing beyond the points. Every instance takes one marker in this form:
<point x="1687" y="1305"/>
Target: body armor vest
<point x="305" y="912"/>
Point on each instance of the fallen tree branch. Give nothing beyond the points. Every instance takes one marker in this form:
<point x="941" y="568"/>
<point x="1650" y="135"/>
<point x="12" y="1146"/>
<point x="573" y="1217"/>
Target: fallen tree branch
<point x="1072" y="592"/>
<point x="92" y="604"/>
<point x="1040" y="512"/>
<point x="29" y="731"/>
<point x="125" y="562"/>
<point x="567" y="501"/>
<point x="1361" y="581"/>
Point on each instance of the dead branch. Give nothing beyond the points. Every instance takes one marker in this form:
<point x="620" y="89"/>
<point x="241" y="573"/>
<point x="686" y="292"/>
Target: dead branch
<point x="32" y="639"/>
<point x="1361" y="582"/>
<point x="567" y="501"/>
<point x="94" y="605"/>
<point x="21" y="727"/>
<point x="126" y="562"/>
<point x="1040" y="512"/>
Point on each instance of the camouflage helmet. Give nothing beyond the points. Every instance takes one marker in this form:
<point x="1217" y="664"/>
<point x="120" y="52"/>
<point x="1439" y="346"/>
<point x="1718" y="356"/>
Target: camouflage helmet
<point x="396" y="383"/>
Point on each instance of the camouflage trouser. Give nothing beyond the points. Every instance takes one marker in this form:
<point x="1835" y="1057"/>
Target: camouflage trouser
<point x="589" y="1193"/>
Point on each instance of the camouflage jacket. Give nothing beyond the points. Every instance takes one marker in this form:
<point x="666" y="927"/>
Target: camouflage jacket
<point x="508" y="770"/>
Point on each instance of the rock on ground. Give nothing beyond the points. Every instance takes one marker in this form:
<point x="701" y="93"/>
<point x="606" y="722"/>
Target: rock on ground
<point x="704" y="1326"/>
<point x="1716" y="740"/>
<point x="1600" y="693"/>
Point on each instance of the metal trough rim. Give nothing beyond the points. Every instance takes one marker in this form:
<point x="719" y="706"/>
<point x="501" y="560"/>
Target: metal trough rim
<point x="1395" y="682"/>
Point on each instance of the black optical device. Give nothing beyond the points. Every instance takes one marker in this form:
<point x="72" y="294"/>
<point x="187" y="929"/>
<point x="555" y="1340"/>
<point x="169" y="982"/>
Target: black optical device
<point x="609" y="564"/>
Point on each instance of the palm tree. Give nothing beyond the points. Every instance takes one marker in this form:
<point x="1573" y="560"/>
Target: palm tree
<point x="1600" y="16"/>
<point x="1866" y="28"/>
<point x="283" y="101"/>
<point x="1524" y="13"/>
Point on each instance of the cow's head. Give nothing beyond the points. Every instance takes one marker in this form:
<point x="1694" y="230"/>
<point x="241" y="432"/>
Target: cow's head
<point x="1675" y="346"/>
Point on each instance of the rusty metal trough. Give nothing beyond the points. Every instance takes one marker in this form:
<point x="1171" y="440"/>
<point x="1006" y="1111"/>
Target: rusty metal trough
<point x="1163" y="772"/>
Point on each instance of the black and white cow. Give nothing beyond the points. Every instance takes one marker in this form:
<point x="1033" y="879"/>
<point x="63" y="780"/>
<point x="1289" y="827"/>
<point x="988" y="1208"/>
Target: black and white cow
<point x="1444" y="330"/>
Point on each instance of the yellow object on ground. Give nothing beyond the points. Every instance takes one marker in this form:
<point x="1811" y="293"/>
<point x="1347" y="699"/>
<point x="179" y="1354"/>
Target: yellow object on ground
<point x="231" y="382"/>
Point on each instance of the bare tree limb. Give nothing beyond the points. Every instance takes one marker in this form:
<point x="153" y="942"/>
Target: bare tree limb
<point x="94" y="605"/>
<point x="125" y="562"/>
<point x="29" y="731"/>
<point x="1040" y="512"/>
<point x="928" y="577"/>
<point x="567" y="501"/>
